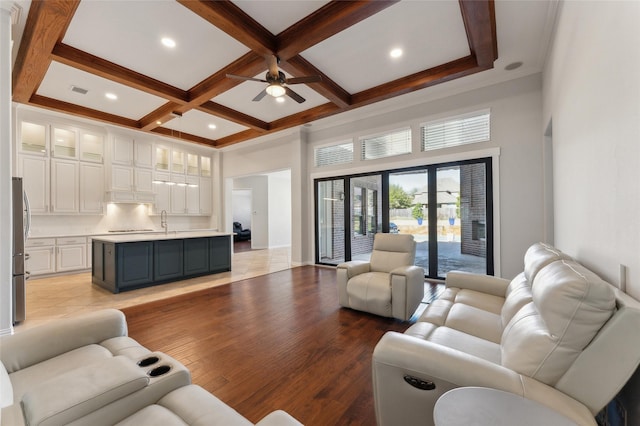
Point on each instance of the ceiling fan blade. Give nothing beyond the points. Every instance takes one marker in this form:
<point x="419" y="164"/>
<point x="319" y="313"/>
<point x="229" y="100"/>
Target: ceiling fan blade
<point x="272" y="63"/>
<point x="260" y="95"/>
<point x="307" y="79"/>
<point x="241" y="77"/>
<point x="293" y="95"/>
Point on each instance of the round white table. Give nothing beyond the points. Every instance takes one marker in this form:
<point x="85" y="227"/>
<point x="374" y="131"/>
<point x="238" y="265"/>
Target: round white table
<point x="469" y="406"/>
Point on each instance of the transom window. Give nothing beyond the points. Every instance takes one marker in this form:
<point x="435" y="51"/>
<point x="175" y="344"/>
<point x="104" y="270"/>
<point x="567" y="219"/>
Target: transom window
<point x="454" y="131"/>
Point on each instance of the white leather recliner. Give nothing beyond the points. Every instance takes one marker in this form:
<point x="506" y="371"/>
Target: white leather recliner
<point x="389" y="284"/>
<point x="556" y="334"/>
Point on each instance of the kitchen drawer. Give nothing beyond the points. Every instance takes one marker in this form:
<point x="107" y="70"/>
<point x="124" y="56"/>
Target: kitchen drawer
<point x="40" y="242"/>
<point x="71" y="240"/>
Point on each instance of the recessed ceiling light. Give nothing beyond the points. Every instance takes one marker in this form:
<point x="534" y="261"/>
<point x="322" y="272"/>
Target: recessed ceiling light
<point x="212" y="126"/>
<point x="111" y="96"/>
<point x="168" y="42"/>
<point x="280" y="99"/>
<point x="395" y="53"/>
<point x="158" y="122"/>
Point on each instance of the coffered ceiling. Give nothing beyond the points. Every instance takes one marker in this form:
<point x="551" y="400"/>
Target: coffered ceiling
<point x="115" y="47"/>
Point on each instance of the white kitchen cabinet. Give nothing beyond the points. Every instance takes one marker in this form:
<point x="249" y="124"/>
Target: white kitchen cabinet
<point x="91" y="188"/>
<point x="206" y="197"/>
<point x="64" y="186"/>
<point x="192" y="196"/>
<point x="35" y="179"/>
<point x="33" y="139"/>
<point x="162" y="192"/>
<point x="162" y="158"/>
<point x="64" y="142"/>
<point x="178" y="194"/>
<point x="121" y="178"/>
<point x="122" y="150"/>
<point x="89" y="260"/>
<point x="40" y="257"/>
<point x="91" y="147"/>
<point x="205" y="166"/>
<point x="71" y="254"/>
<point x="143" y="180"/>
<point x="143" y="154"/>
<point x="193" y="164"/>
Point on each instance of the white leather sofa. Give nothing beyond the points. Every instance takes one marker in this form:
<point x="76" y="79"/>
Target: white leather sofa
<point x="389" y="284"/>
<point x="556" y="334"/>
<point x="86" y="371"/>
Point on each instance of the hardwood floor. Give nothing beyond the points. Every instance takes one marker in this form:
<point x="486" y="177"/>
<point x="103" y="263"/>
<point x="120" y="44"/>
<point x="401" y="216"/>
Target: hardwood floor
<point x="277" y="341"/>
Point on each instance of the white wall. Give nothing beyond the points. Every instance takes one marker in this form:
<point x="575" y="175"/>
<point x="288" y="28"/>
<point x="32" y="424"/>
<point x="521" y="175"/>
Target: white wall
<point x="592" y="95"/>
<point x="241" y="200"/>
<point x="515" y="130"/>
<point x="280" y="209"/>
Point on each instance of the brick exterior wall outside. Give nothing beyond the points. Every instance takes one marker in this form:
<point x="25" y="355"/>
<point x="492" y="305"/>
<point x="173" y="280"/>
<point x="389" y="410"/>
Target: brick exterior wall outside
<point x="472" y="208"/>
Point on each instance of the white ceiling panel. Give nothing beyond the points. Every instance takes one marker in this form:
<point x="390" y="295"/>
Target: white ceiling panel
<point x="129" y="34"/>
<point x="430" y="33"/>
<point x="268" y="109"/>
<point x="197" y="123"/>
<point x="131" y="103"/>
<point x="277" y="16"/>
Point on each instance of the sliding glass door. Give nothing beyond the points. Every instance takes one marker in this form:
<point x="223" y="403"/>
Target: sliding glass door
<point x="446" y="207"/>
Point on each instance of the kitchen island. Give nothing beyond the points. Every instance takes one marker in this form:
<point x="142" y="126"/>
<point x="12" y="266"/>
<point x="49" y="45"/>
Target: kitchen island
<point x="127" y="262"/>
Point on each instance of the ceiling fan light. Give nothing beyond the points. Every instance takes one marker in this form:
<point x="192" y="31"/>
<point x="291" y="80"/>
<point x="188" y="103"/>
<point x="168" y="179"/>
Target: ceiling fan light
<point x="275" y="90"/>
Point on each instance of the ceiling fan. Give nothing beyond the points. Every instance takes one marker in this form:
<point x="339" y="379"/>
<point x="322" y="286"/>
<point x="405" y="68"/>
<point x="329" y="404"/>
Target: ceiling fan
<point x="278" y="82"/>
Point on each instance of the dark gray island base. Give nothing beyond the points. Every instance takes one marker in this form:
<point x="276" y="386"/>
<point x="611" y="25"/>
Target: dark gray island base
<point x="128" y="262"/>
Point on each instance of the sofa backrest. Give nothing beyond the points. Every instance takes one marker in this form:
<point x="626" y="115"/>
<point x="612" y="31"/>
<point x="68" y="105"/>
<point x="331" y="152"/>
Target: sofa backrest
<point x="569" y="306"/>
<point x="391" y="251"/>
<point x="518" y="293"/>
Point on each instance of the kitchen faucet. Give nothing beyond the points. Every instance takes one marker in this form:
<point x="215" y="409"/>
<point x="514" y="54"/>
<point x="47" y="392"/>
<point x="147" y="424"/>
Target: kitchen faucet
<point x="163" y="221"/>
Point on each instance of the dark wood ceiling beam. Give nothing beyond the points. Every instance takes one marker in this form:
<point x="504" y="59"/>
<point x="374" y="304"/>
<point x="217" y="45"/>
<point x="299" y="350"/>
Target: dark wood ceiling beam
<point x="298" y="66"/>
<point x="233" y="115"/>
<point x="237" y="138"/>
<point x="479" y="19"/>
<point x="420" y="80"/>
<point x="184" y="136"/>
<point x="80" y="111"/>
<point x="249" y="64"/>
<point x="316" y="113"/>
<point x="325" y="22"/>
<point x="46" y="24"/>
<point x="102" y="68"/>
<point x="235" y="22"/>
<point x="159" y="116"/>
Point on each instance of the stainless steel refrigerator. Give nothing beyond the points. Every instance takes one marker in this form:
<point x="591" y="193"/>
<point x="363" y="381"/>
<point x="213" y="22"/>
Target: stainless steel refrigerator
<point x="21" y="224"/>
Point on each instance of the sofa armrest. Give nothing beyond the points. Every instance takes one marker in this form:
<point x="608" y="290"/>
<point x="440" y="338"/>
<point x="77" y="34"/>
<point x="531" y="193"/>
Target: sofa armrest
<point x="355" y="267"/>
<point x="407" y="290"/>
<point x="482" y="283"/>
<point x="398" y="355"/>
<point x="344" y="272"/>
<point x="278" y="418"/>
<point x="79" y="392"/>
<point x="40" y="343"/>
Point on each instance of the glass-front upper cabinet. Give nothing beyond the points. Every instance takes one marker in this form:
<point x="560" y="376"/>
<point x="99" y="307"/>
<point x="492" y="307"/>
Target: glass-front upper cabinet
<point x="65" y="142"/>
<point x="205" y="166"/>
<point x="33" y="138"/>
<point x="91" y="147"/>
<point x="162" y="158"/>
<point x="177" y="162"/>
<point x="192" y="165"/>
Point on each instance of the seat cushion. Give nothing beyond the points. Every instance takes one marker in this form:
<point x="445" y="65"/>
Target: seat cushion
<point x="189" y="405"/>
<point x="455" y="339"/>
<point x="370" y="292"/>
<point x="30" y="377"/>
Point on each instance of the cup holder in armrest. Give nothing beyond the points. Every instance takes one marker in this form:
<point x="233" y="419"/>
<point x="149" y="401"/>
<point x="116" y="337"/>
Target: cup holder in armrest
<point x="148" y="361"/>
<point x="159" y="370"/>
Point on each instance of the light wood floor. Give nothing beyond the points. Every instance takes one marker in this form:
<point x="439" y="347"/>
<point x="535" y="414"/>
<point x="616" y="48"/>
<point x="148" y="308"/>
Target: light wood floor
<point x="66" y="295"/>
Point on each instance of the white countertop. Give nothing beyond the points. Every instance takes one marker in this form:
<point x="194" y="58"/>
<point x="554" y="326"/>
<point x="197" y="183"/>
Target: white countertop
<point x="155" y="236"/>
<point x="114" y="233"/>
